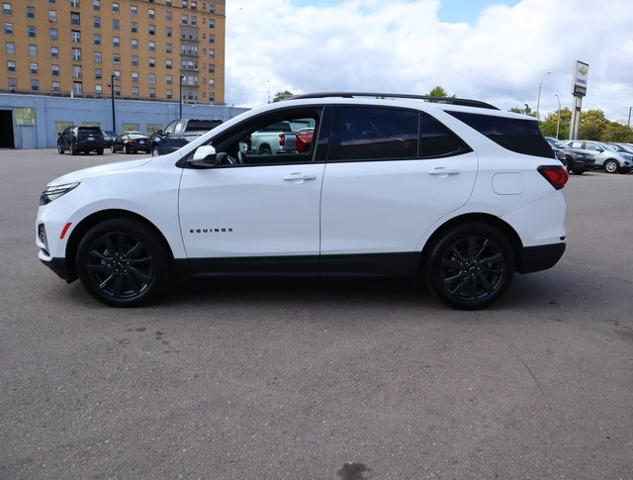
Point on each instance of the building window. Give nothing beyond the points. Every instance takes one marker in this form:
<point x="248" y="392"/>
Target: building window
<point x="212" y="82"/>
<point x="116" y="59"/>
<point x="97" y="39"/>
<point x="135" y="60"/>
<point x="55" y="70"/>
<point x="152" y="46"/>
<point x="151" y="29"/>
<point x="32" y="51"/>
<point x="7" y="9"/>
<point x="151" y="13"/>
<point x="115" y="8"/>
<point x="56" y="86"/>
<point x="10" y="46"/>
<point x="168" y="15"/>
<point x="54" y="34"/>
<point x="211" y="38"/>
<point x="98" y="74"/>
<point x="117" y="74"/>
<point x="212" y="8"/>
<point x="30" y="12"/>
<point x="212" y="23"/>
<point x="35" y="85"/>
<point x="184" y="19"/>
<point x="194" y="20"/>
<point x="75" y="18"/>
<point x="13" y="83"/>
<point x="116" y="42"/>
<point x="96" y="22"/>
<point x="169" y="79"/>
<point x="134" y="43"/>
<point x="194" y="5"/>
<point x="134" y="27"/>
<point x="169" y="94"/>
<point x="74" y="3"/>
<point x="135" y="91"/>
<point x="75" y="36"/>
<point x="169" y="32"/>
<point x="11" y="67"/>
<point x="77" y="71"/>
<point x="8" y="29"/>
<point x="169" y="48"/>
<point x="117" y="90"/>
<point x="54" y="52"/>
<point x="78" y="88"/>
<point x="212" y="53"/>
<point x="31" y="30"/>
<point x="116" y="24"/>
<point x="98" y="89"/>
<point x="76" y="54"/>
<point x="96" y="5"/>
<point x="152" y="93"/>
<point x="152" y="62"/>
<point x="52" y="16"/>
<point x="152" y="78"/>
<point x="168" y="64"/>
<point x="135" y="77"/>
<point x="134" y="11"/>
<point x="97" y="56"/>
<point x="33" y="68"/>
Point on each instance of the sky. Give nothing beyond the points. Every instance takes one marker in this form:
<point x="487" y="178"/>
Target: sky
<point x="493" y="50"/>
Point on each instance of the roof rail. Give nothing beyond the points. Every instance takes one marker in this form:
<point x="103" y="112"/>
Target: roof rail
<point x="465" y="102"/>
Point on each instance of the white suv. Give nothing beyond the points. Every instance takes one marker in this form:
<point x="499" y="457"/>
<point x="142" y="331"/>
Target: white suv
<point x="453" y="191"/>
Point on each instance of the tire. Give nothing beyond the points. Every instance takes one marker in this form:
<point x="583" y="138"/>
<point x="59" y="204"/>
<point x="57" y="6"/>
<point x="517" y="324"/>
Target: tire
<point x="155" y="152"/>
<point x="470" y="266"/>
<point x="611" y="166"/>
<point x="60" y="150"/>
<point x="126" y="150"/>
<point x="72" y="150"/>
<point x="113" y="149"/>
<point x="100" y="151"/>
<point x="578" y="172"/>
<point x="122" y="263"/>
<point x="265" y="150"/>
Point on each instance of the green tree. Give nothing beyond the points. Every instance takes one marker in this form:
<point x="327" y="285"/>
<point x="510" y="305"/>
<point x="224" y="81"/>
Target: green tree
<point x="548" y="125"/>
<point x="592" y="124"/>
<point x="438" y="92"/>
<point x="616" y="132"/>
<point x="279" y="96"/>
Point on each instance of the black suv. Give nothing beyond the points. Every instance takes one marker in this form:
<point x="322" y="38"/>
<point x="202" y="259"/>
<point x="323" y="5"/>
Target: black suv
<point x="80" y="140"/>
<point x="179" y="133"/>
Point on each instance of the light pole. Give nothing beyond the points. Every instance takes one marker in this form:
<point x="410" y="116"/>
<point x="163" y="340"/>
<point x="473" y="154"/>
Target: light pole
<point x="112" y="77"/>
<point x="558" y="122"/>
<point x="628" y="124"/>
<point x="180" y="89"/>
<point x="538" y="101"/>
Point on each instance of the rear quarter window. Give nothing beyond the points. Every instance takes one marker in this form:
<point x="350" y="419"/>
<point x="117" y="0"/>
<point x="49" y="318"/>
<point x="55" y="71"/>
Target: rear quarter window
<point x="520" y="136"/>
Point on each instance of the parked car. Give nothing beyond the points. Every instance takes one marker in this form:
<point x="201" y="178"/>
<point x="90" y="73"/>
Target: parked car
<point x="622" y="147"/>
<point x="577" y="161"/>
<point x="80" y="140"/>
<point x="179" y="133"/>
<point x="108" y="137"/>
<point x="456" y="193"/>
<point x="606" y="156"/>
<point x="131" y="142"/>
<point x="275" y="138"/>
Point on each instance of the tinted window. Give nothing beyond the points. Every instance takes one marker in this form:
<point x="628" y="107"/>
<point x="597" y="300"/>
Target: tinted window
<point x="366" y="133"/>
<point x="438" y="141"/>
<point x="277" y="127"/>
<point x="521" y="136"/>
<point x="202" y="125"/>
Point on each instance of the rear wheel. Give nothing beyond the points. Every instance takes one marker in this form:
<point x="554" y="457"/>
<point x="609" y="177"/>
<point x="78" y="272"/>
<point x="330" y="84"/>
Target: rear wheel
<point x="126" y="149"/>
<point x="470" y="266"/>
<point x="265" y="150"/>
<point x="611" y="166"/>
<point x="73" y="151"/>
<point x="60" y="150"/>
<point x="122" y="263"/>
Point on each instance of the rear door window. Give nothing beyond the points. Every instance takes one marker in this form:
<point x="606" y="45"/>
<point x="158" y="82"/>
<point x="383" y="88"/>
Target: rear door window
<point x="517" y="135"/>
<point x="436" y="140"/>
<point x="202" y="125"/>
<point x="372" y="133"/>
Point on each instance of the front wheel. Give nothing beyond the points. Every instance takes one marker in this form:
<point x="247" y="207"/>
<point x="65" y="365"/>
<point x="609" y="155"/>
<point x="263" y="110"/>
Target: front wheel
<point x="122" y="263"/>
<point x="470" y="266"/>
<point x="155" y="152"/>
<point x="611" y="166"/>
<point x="60" y="150"/>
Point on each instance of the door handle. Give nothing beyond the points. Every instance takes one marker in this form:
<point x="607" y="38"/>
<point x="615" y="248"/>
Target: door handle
<point x="443" y="171"/>
<point x="298" y="177"/>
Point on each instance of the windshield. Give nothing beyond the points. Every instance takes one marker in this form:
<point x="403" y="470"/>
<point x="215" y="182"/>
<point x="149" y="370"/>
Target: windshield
<point x="556" y="143"/>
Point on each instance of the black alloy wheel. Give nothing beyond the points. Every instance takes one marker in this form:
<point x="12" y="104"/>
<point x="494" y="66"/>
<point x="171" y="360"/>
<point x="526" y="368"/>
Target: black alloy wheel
<point x="471" y="266"/>
<point x="121" y="263"/>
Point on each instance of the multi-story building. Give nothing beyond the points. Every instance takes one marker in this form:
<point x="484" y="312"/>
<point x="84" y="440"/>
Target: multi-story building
<point x="154" y="48"/>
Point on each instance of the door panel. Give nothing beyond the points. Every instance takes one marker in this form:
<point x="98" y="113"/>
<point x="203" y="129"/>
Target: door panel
<point x="258" y="211"/>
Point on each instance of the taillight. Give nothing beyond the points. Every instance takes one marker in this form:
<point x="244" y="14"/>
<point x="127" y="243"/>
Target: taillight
<point x="282" y="139"/>
<point x="556" y="175"/>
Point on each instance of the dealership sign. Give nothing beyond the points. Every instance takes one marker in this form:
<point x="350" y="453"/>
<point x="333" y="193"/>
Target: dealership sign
<point x="579" y="85"/>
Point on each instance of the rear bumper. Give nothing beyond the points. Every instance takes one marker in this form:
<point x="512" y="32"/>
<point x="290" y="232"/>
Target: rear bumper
<point x="541" y="257"/>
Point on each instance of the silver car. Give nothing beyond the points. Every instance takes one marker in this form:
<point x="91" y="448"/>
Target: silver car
<point x="607" y="156"/>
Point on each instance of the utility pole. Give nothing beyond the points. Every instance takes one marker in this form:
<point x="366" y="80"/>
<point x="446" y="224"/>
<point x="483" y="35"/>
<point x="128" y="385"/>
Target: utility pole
<point x="538" y="101"/>
<point x="628" y="124"/>
<point x="558" y="122"/>
<point x="112" y="77"/>
<point x="180" y="89"/>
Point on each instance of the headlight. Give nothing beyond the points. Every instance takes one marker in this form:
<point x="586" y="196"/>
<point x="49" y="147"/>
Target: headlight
<point x="55" y="191"/>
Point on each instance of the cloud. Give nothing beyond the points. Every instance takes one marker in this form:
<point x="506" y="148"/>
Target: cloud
<point x="402" y="46"/>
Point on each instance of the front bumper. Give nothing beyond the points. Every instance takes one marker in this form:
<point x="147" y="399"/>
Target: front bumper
<point x="541" y="257"/>
<point x="57" y="265"/>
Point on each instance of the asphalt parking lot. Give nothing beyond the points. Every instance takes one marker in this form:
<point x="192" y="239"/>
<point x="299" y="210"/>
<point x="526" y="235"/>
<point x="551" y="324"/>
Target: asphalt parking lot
<point x="278" y="379"/>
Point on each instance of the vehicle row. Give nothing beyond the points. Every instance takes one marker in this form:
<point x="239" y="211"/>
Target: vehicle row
<point x="583" y="155"/>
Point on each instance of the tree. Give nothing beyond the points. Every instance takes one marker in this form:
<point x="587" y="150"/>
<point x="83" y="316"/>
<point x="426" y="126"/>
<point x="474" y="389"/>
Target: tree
<point x="279" y="96"/>
<point x="524" y="111"/>
<point x="616" y="132"/>
<point x="592" y="124"/>
<point x="438" y="92"/>
<point x="548" y="126"/>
